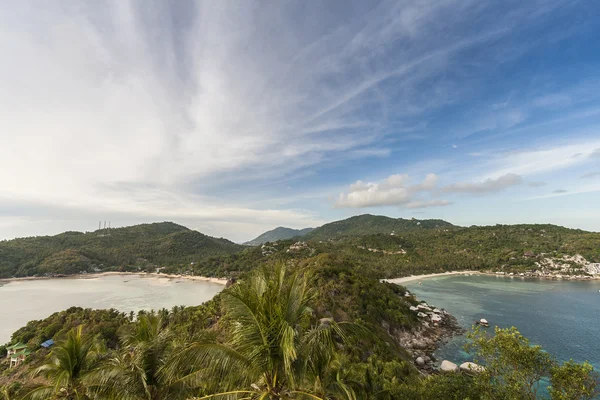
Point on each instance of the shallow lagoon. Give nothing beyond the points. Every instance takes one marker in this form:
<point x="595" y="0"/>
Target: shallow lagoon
<point x="22" y="301"/>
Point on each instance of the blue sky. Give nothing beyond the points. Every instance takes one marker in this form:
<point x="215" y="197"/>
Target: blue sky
<point x="236" y="117"/>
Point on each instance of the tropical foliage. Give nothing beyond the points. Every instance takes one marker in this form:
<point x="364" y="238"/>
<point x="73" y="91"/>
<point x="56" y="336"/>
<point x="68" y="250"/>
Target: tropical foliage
<point x="514" y="369"/>
<point x="314" y="330"/>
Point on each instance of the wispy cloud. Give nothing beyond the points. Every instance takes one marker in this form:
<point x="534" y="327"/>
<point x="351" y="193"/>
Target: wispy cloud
<point x="177" y="96"/>
<point x="528" y="162"/>
<point x="536" y="184"/>
<point x="489" y="185"/>
<point x="163" y="109"/>
<point x="590" y="175"/>
<point x="428" y="203"/>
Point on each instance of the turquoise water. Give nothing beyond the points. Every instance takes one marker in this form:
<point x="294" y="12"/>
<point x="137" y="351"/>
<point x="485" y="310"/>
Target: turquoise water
<point x="561" y="316"/>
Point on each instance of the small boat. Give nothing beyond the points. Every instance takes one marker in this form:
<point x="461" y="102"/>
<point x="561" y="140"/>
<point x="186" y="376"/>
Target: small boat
<point x="483" y="322"/>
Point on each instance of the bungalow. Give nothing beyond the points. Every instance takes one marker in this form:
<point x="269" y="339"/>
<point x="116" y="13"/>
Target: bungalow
<point x="15" y="348"/>
<point x="17" y="354"/>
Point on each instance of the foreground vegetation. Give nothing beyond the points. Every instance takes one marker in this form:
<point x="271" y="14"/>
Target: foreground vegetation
<point x="305" y="330"/>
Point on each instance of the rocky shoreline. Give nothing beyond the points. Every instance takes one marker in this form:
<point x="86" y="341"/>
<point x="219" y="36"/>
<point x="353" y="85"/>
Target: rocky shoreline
<point x="436" y="328"/>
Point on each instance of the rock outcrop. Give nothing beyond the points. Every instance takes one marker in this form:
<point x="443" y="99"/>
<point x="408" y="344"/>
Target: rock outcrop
<point x="471" y="367"/>
<point x="448" y="366"/>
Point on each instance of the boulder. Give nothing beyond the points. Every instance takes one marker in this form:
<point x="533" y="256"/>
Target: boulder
<point x="471" y="367"/>
<point x="420" y="362"/>
<point x="448" y="366"/>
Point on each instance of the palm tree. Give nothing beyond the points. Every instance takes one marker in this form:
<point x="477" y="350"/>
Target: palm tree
<point x="274" y="351"/>
<point x="136" y="372"/>
<point x="69" y="364"/>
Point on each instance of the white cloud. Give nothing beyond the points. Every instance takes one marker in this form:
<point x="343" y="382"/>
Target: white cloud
<point x="395" y="190"/>
<point x="489" y="185"/>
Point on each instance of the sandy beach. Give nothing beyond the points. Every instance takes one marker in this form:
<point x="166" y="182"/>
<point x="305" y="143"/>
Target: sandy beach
<point x="411" y="278"/>
<point x="219" y="281"/>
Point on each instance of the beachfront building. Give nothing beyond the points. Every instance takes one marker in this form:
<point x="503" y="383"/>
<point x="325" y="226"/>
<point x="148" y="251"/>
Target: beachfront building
<point x="17" y="354"/>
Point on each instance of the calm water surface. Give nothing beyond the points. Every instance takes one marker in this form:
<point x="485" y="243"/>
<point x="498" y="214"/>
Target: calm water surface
<point x="23" y="301"/>
<point x="563" y="317"/>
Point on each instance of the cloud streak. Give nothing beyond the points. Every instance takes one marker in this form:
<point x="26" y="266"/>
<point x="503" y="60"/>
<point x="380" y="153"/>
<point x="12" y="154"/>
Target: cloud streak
<point x="490" y="185"/>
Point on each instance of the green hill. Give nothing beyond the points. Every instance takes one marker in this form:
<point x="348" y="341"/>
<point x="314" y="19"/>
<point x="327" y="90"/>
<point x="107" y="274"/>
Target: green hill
<point x="374" y="224"/>
<point x="141" y="246"/>
<point x="509" y="248"/>
<point x="280" y="233"/>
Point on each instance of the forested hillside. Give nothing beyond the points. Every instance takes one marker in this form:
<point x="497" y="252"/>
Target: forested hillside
<point x="141" y="246"/>
<point x="384" y="247"/>
<point x="419" y="251"/>
<point x="372" y="224"/>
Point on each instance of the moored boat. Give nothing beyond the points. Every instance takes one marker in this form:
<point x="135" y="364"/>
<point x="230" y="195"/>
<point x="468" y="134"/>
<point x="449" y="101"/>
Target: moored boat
<point x="483" y="322"/>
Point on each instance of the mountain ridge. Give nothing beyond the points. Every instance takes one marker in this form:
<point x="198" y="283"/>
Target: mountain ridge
<point x="367" y="224"/>
<point x="279" y="233"/>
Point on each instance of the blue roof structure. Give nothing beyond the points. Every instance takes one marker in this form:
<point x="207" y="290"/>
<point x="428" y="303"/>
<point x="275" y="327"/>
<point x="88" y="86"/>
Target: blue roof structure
<point x="47" y="343"/>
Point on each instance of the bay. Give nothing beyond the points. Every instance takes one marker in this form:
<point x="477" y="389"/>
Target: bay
<point x="561" y="316"/>
<point x="23" y="301"/>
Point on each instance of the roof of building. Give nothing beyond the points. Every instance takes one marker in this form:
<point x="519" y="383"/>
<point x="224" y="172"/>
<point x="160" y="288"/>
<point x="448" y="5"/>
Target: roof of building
<point x="21" y="353"/>
<point x="47" y="343"/>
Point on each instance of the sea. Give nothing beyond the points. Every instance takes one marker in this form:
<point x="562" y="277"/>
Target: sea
<point x="561" y="316"/>
<point x="23" y="301"/>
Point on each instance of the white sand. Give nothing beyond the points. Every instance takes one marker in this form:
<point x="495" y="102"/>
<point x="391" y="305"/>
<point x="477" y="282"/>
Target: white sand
<point x="419" y="277"/>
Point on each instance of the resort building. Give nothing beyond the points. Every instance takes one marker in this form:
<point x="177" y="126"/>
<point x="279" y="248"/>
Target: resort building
<point x="17" y="354"/>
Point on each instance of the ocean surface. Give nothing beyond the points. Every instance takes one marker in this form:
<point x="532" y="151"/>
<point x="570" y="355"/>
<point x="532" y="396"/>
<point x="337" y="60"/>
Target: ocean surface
<point x="561" y="316"/>
<point x="23" y="301"/>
